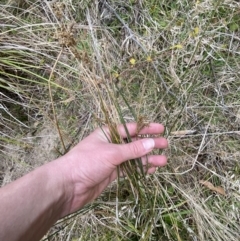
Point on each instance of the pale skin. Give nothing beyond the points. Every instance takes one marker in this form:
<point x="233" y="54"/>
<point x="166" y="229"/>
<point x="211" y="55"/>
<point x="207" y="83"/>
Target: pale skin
<point x="30" y="205"/>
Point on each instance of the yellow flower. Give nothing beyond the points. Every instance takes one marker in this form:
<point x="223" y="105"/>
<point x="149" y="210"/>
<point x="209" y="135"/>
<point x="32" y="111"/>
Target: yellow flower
<point x="132" y="61"/>
<point x="177" y="46"/>
<point x="149" y="59"/>
<point x="115" y="74"/>
<point x="195" y="32"/>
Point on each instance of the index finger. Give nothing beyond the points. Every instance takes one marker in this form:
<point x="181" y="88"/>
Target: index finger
<point x="152" y="128"/>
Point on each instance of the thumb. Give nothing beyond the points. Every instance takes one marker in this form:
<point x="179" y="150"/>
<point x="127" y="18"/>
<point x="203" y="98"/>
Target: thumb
<point x="135" y="149"/>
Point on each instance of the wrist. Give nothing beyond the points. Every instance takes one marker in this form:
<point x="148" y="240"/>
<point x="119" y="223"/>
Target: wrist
<point x="58" y="186"/>
<point x="76" y="193"/>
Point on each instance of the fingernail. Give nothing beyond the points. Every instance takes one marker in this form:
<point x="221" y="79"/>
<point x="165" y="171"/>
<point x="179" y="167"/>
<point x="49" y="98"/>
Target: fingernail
<point x="148" y="144"/>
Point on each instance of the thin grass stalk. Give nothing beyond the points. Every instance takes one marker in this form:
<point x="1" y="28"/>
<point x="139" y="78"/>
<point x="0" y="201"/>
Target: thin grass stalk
<point x="52" y="103"/>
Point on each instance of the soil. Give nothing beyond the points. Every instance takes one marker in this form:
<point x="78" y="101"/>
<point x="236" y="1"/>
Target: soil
<point x="36" y="148"/>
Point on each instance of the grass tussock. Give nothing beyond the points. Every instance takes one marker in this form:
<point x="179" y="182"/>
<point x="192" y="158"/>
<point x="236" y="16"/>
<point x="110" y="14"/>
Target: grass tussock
<point x="75" y="65"/>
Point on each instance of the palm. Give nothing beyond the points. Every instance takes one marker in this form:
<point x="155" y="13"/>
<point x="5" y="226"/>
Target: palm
<point x="93" y="162"/>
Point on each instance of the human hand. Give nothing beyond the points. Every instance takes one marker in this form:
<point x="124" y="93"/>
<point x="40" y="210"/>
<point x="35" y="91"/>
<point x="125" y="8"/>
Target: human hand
<point x="92" y="164"/>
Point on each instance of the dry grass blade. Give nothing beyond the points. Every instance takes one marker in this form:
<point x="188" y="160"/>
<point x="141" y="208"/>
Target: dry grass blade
<point x="210" y="186"/>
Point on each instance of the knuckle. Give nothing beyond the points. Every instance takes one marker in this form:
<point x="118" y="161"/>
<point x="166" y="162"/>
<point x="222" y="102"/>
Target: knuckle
<point x="135" y="149"/>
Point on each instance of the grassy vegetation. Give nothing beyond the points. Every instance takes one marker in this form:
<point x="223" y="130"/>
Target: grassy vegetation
<point x="74" y="65"/>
